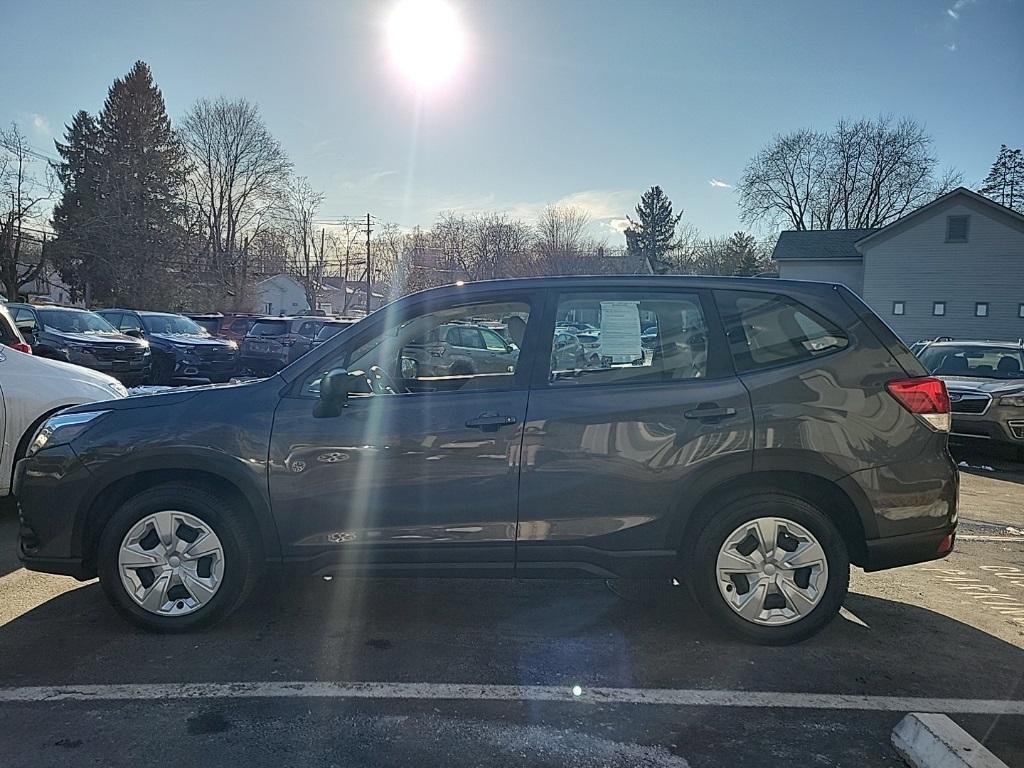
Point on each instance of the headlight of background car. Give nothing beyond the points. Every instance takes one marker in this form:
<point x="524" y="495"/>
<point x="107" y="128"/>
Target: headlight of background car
<point x="1016" y="400"/>
<point x="61" y="429"/>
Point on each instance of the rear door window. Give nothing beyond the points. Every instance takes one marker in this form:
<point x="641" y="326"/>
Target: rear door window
<point x="768" y="329"/>
<point x="129" y="323"/>
<point x="309" y="328"/>
<point x="617" y="354"/>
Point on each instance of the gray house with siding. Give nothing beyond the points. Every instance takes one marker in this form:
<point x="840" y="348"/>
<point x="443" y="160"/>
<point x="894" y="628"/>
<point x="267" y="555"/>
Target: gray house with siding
<point x="954" y="267"/>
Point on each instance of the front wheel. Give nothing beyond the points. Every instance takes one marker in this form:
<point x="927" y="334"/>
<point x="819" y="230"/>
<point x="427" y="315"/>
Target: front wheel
<point x="770" y="567"/>
<point x="177" y="557"/>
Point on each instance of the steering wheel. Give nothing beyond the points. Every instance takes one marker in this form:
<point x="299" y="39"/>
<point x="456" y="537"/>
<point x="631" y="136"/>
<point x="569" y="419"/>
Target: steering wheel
<point x="381" y="382"/>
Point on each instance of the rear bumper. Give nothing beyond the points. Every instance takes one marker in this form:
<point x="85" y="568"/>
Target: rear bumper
<point x="910" y="548"/>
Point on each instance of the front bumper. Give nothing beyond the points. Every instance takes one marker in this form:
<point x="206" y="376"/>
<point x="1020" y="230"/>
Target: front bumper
<point x="47" y="487"/>
<point x="1000" y="423"/>
<point x="213" y="370"/>
<point x="910" y="548"/>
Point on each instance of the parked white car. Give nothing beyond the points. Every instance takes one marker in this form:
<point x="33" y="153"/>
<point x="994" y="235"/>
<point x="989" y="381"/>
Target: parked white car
<point x="32" y="388"/>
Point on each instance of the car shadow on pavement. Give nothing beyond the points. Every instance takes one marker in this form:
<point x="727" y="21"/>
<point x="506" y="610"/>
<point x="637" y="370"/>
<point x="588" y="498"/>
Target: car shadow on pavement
<point x="636" y="634"/>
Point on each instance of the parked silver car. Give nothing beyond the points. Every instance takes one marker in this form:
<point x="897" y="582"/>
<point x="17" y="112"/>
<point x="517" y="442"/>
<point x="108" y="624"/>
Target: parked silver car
<point x="985" y="380"/>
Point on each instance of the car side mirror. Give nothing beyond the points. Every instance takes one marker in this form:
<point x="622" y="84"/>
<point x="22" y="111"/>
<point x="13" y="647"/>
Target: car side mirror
<point x="333" y="393"/>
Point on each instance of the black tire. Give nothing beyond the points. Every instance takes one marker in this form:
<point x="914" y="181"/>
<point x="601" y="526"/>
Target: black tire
<point x="161" y="371"/>
<point x="702" y="555"/>
<point x="242" y="554"/>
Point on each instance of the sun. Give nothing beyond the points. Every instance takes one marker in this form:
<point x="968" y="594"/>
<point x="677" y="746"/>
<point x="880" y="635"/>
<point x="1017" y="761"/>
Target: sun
<point x="426" y="41"/>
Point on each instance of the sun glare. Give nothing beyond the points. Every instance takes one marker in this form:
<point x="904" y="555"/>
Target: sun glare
<point x="426" y="42"/>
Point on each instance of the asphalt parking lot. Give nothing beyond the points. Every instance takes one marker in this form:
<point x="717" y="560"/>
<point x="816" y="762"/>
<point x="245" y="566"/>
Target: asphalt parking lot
<point x="467" y="673"/>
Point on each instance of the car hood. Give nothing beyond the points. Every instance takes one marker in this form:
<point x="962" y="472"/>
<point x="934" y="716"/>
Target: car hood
<point x="72" y="378"/>
<point x="192" y="341"/>
<point x="110" y="340"/>
<point x="177" y="395"/>
<point x="988" y="386"/>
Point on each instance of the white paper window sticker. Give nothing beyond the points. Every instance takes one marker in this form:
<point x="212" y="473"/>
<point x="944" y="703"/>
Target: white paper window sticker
<point x="620" y="331"/>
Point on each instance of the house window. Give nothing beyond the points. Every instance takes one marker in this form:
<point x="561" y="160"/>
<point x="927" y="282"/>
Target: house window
<point x="939" y="308"/>
<point x="899" y="308"/>
<point x="956" y="228"/>
<point x="1020" y="310"/>
<point x="981" y="309"/>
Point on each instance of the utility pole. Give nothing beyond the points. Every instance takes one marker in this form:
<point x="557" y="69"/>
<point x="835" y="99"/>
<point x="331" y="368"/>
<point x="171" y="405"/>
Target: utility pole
<point x="369" y="266"/>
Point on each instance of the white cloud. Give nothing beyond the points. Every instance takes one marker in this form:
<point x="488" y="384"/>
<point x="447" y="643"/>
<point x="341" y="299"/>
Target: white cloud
<point x="951" y="47"/>
<point x="719" y="183"/>
<point x="618" y="226"/>
<point x="41" y="126"/>
<point x="954" y="11"/>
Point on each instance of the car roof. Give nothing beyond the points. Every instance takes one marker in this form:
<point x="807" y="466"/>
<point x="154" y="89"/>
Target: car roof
<point x="647" y="281"/>
<point x="146" y="312"/>
<point x="1016" y="345"/>
<point x="56" y="307"/>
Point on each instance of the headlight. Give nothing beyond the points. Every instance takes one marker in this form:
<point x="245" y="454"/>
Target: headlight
<point x="61" y="429"/>
<point x="1014" y="400"/>
<point x="232" y="345"/>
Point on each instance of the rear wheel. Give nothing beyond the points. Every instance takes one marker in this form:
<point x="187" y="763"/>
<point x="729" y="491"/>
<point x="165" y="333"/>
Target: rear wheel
<point x="177" y="557"/>
<point x="770" y="567"/>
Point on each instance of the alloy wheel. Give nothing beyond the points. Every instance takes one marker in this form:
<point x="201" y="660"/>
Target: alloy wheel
<point x="171" y="563"/>
<point x="772" y="571"/>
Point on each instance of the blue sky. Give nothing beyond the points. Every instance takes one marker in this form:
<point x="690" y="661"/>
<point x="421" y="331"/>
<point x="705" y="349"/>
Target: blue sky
<point x="559" y="100"/>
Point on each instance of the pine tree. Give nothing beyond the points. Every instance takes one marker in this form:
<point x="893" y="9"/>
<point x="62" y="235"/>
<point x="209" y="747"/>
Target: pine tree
<point x="75" y="216"/>
<point x="742" y="250"/>
<point x="143" y="167"/>
<point x="1005" y="180"/>
<point x="653" y="234"/>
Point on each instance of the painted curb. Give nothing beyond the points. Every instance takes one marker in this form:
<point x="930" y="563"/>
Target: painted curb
<point x="926" y="740"/>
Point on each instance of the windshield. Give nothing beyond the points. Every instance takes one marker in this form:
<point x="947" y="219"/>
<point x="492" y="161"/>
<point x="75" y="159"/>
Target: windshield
<point x="172" y="325"/>
<point x="66" y="321"/>
<point x="974" y="362"/>
<point x="269" y="328"/>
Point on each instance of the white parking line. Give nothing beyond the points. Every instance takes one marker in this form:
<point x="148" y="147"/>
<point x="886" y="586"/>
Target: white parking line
<point x="483" y="692"/>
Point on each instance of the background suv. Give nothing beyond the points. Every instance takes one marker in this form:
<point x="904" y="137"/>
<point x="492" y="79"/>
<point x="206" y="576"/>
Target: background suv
<point x="985" y="380"/>
<point x="84" y="338"/>
<point x="182" y="350"/>
<point x="271" y="343"/>
<point x="460" y="349"/>
<point x="776" y="433"/>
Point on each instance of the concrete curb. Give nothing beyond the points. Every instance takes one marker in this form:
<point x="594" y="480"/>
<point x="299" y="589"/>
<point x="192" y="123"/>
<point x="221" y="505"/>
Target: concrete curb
<point x="935" y="741"/>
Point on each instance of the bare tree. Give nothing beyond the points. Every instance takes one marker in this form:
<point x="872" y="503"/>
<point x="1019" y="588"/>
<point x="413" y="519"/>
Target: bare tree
<point x="562" y="240"/>
<point x="238" y="181"/>
<point x="308" y="258"/>
<point x="25" y="187"/>
<point x="862" y="174"/>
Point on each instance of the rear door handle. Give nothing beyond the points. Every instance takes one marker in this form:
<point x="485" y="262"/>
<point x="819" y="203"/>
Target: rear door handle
<point x="491" y="422"/>
<point x="709" y="412"/>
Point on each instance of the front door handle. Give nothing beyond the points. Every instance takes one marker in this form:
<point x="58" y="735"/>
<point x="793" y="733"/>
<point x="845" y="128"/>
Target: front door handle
<point x="710" y="412"/>
<point x="491" y="422"/>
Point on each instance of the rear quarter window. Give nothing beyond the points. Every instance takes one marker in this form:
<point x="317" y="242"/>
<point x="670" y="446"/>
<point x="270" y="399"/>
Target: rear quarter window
<point x="769" y="329"/>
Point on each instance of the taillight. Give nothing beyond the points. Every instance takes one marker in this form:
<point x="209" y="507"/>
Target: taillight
<point x="21" y="346"/>
<point x="925" y="397"/>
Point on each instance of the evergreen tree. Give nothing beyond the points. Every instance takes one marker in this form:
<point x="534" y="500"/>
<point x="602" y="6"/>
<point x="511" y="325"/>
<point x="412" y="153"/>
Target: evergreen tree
<point x="75" y="216"/>
<point x="742" y="250"/>
<point x="1005" y="180"/>
<point x="141" y="209"/>
<point x="653" y="234"/>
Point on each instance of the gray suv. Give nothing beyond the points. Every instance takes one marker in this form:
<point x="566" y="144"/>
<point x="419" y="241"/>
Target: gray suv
<point x="985" y="380"/>
<point x="459" y="349"/>
<point x="772" y="434"/>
